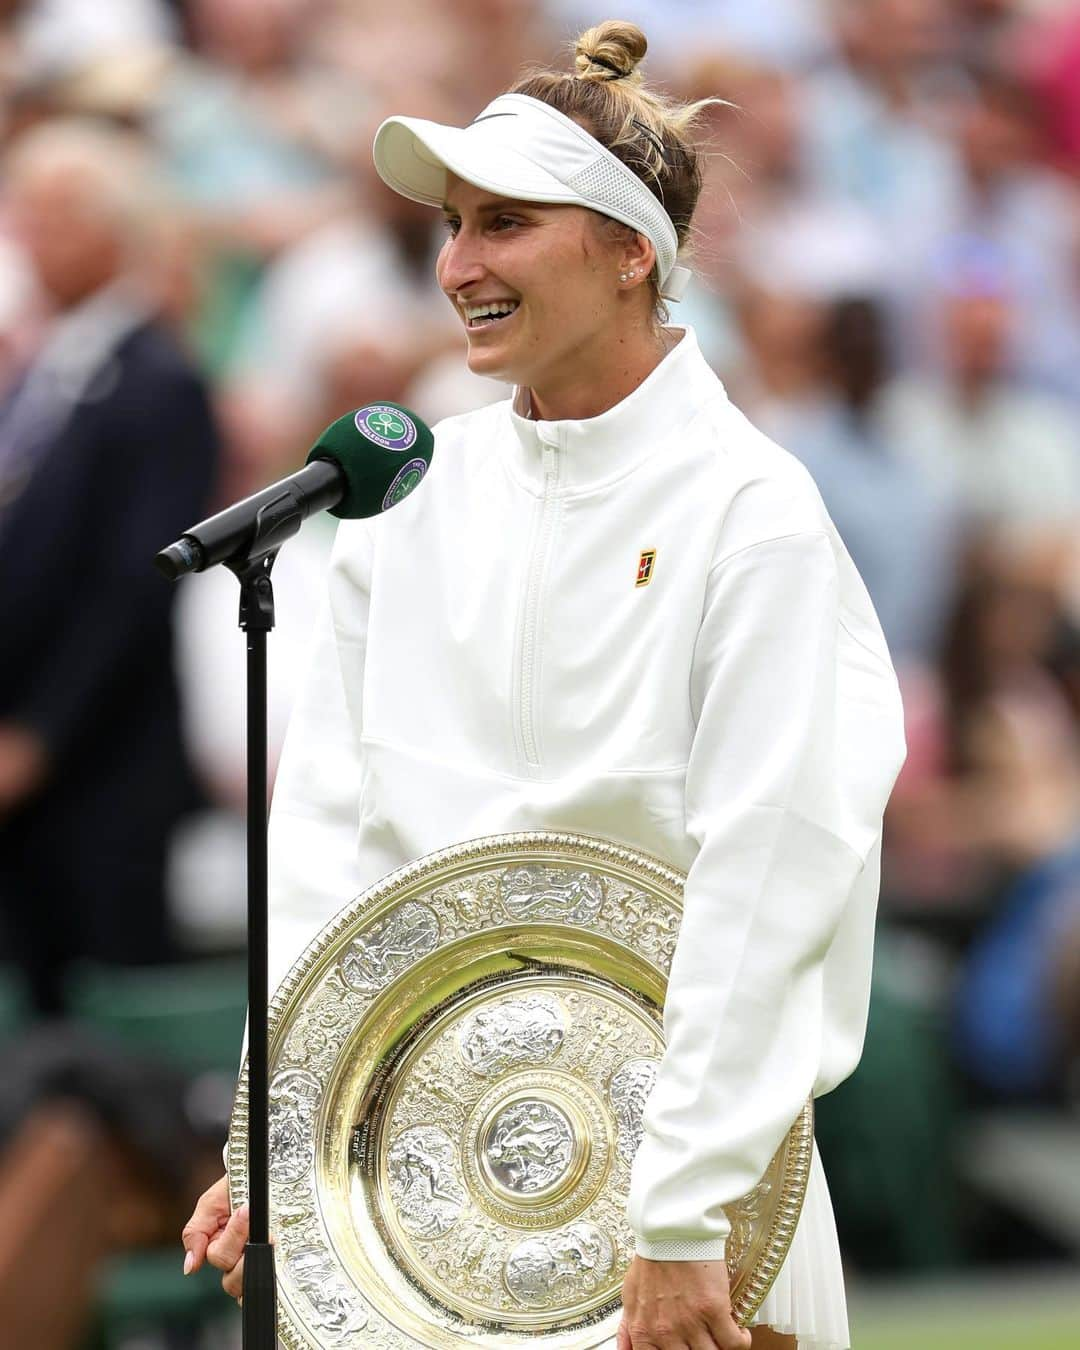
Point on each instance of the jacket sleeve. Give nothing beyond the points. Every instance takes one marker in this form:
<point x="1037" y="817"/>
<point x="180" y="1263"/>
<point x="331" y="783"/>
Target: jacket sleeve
<point x="798" y="740"/>
<point x="314" y="819"/>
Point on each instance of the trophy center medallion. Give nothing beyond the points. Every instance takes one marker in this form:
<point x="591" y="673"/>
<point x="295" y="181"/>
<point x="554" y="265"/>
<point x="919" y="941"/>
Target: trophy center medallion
<point x="528" y="1148"/>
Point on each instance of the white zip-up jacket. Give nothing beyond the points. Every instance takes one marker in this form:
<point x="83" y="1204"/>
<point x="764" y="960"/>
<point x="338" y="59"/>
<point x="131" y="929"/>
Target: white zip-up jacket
<point x="488" y="663"/>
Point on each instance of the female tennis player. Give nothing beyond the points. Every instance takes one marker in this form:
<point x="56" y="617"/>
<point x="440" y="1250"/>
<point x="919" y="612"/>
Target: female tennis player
<point x="614" y="609"/>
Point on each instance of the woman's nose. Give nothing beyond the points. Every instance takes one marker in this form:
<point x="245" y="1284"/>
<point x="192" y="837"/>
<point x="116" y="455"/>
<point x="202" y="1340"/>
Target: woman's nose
<point x="460" y="264"/>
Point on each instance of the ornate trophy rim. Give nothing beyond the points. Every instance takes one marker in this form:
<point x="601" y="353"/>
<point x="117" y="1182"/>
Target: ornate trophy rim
<point x="422" y="876"/>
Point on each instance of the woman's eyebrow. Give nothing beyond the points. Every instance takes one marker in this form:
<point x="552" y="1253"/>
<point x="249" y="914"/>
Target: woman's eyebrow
<point x="499" y="204"/>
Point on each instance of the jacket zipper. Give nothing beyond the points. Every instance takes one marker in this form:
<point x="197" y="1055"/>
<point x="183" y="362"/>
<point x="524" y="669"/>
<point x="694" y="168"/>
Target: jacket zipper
<point x="530" y="633"/>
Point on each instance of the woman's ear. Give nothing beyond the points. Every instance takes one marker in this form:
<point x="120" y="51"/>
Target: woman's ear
<point x="636" y="260"/>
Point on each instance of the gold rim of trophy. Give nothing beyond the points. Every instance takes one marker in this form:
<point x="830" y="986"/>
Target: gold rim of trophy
<point x="458" y="1064"/>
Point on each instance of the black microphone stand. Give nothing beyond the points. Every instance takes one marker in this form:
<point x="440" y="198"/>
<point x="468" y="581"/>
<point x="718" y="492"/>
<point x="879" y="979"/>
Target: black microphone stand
<point x="259" y="1310"/>
<point x="279" y="516"/>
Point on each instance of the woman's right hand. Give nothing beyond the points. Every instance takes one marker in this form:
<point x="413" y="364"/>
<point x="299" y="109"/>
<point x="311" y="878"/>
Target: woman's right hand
<point x="216" y="1235"/>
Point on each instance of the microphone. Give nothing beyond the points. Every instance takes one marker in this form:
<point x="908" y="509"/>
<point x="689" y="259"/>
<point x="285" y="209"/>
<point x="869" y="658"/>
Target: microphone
<point x="362" y="464"/>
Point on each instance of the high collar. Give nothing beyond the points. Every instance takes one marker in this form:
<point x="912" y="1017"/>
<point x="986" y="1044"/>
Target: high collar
<point x="583" y="454"/>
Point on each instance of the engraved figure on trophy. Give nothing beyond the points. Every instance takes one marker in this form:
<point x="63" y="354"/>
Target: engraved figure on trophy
<point x="467" y="907"/>
<point x="429" y="1090"/>
<point x="643" y="922"/>
<point x="336" y="1311"/>
<point x="563" y="1266"/>
<point x="532" y="893"/>
<point x="294" y="1100"/>
<point x="525" y="1030"/>
<point x="389" y="946"/>
<point x="423" y="1181"/>
<point x="474" y="1264"/>
<point x="629" y="1090"/>
<point x="607" y="1031"/>
<point x="529" y="1147"/>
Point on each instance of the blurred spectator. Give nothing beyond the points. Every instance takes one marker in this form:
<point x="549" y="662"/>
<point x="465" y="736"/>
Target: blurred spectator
<point x="248" y="126"/>
<point x="106" y="453"/>
<point x="788" y="33"/>
<point x="802" y="254"/>
<point x="818" y="358"/>
<point x="241" y="123"/>
<point x="122" y="49"/>
<point x="1013" y="794"/>
<point x="9" y="59"/>
<point x="1028" y="214"/>
<point x="54" y="35"/>
<point x="510" y="33"/>
<point x="985" y="28"/>
<point x="19" y="310"/>
<point x="229" y="116"/>
<point x="1053" y="64"/>
<point x="99" y="1149"/>
<point x="779" y="379"/>
<point x="352" y="310"/>
<point x="899" y="527"/>
<point x="1011" y="742"/>
<point x="320" y="330"/>
<point x="1010" y="454"/>
<point x="992" y="783"/>
<point x="753" y="181"/>
<point x="1014" y="1017"/>
<point x="872" y="121"/>
<point x="1065" y="992"/>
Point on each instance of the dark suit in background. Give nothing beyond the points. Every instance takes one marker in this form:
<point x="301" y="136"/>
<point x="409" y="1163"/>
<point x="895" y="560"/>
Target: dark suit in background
<point x="111" y="464"/>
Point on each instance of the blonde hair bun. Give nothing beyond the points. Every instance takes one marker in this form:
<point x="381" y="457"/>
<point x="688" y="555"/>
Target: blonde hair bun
<point x="610" y="51"/>
<point x="647" y="131"/>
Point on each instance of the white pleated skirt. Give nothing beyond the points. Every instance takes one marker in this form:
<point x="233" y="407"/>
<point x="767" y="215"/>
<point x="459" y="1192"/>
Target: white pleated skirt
<point x="807" y="1299"/>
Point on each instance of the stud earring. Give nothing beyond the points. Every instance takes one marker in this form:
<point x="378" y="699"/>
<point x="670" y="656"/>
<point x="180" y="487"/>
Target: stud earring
<point x="633" y="274"/>
<point x="622" y="276"/>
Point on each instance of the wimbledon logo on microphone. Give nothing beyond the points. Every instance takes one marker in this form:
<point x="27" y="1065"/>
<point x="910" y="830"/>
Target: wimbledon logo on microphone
<point x="386" y="426"/>
<point x="404" y="481"/>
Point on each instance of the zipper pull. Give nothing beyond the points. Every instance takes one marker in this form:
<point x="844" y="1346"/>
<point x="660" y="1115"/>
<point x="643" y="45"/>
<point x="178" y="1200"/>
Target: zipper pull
<point x="551" y="462"/>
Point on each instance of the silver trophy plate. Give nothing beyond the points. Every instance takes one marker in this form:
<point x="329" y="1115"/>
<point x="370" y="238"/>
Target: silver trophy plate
<point x="458" y="1069"/>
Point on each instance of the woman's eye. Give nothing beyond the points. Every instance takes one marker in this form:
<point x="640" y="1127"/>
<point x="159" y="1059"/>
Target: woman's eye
<point x="452" y="224"/>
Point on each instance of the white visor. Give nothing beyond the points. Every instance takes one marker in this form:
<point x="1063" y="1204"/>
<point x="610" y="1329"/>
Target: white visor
<point x="523" y="148"/>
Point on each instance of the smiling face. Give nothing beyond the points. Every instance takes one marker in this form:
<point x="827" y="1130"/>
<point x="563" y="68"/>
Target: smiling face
<point x="538" y="290"/>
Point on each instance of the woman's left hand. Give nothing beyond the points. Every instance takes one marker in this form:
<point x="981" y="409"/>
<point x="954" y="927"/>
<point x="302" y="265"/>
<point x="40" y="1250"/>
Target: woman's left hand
<point x="678" y="1305"/>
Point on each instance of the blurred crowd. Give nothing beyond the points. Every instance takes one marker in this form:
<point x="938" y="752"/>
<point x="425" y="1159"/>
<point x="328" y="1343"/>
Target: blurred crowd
<point x="199" y="269"/>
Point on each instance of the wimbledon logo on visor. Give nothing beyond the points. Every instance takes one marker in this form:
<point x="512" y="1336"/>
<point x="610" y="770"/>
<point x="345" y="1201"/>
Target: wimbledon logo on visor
<point x="386" y="426"/>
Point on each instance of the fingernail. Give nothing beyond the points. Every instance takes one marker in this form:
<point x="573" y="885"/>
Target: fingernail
<point x="189" y="1263"/>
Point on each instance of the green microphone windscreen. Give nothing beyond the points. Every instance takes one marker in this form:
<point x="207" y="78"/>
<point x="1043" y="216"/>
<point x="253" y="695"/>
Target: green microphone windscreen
<point x="383" y="449"/>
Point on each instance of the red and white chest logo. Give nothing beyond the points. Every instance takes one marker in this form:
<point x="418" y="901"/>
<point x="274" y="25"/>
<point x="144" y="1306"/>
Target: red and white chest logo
<point x="645" y="567"/>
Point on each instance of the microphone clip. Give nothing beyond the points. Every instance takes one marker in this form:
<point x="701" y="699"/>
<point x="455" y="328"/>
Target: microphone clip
<point x="256" y="592"/>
